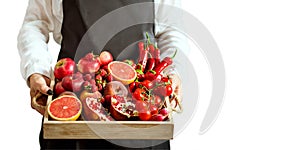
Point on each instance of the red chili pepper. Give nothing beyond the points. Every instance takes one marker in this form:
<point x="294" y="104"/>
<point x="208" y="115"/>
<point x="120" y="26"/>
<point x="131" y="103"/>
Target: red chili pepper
<point x="143" y="56"/>
<point x="150" y="64"/>
<point x="152" y="50"/>
<point x="164" y="64"/>
<point x="141" y="46"/>
<point x="157" y="55"/>
<point x="157" y="70"/>
<point x="140" y="74"/>
<point x="151" y="75"/>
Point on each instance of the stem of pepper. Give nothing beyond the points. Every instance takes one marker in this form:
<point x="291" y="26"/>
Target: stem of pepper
<point x="148" y="38"/>
<point x="174" y="54"/>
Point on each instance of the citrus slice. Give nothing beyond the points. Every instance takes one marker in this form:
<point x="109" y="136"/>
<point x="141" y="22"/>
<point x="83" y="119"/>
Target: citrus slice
<point x="122" y="72"/>
<point x="65" y="108"/>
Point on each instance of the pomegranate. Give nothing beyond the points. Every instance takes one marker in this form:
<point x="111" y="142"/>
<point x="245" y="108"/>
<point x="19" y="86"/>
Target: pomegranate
<point x="87" y="113"/>
<point x="99" y="112"/>
<point x="89" y="64"/>
<point x="122" y="109"/>
<point x="115" y="88"/>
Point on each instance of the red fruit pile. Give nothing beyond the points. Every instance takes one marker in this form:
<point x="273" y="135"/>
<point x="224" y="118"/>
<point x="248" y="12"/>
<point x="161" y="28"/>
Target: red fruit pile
<point x="142" y="99"/>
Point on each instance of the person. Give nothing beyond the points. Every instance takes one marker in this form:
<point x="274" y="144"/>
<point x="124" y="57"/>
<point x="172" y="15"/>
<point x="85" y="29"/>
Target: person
<point x="69" y="21"/>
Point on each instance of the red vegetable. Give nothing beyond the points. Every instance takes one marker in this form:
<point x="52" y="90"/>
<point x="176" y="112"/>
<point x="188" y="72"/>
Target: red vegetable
<point x="140" y="74"/>
<point x="142" y="57"/>
<point x="152" y="50"/>
<point x="139" y="94"/>
<point x="145" y="115"/>
<point x="155" y="73"/>
<point x="147" y="84"/>
<point x="167" y="61"/>
<point x="150" y="64"/>
<point x="157" y="55"/>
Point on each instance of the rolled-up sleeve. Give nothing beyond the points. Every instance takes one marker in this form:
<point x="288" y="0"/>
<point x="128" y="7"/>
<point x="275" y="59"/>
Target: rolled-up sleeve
<point x="33" y="39"/>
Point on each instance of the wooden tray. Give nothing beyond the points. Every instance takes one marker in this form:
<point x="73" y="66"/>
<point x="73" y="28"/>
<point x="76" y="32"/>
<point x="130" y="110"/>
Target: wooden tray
<point x="107" y="129"/>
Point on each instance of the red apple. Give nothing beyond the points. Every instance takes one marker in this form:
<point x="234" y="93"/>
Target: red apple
<point x="58" y="89"/>
<point x="105" y="57"/>
<point x="67" y="83"/>
<point x="89" y="64"/>
<point x="73" y="82"/>
<point x="64" y="67"/>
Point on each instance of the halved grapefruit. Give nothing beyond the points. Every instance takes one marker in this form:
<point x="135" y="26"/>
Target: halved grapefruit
<point x="65" y="108"/>
<point x="122" y="72"/>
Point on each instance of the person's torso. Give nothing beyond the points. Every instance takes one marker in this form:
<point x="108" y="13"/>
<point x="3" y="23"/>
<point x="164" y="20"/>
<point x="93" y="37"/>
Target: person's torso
<point x="96" y="25"/>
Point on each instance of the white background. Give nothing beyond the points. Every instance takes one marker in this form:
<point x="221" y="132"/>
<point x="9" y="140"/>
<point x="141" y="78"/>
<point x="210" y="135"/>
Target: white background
<point x="259" y="41"/>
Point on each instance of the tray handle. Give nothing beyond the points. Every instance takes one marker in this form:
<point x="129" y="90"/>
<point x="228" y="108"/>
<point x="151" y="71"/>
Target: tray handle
<point x="37" y="96"/>
<point x="37" y="105"/>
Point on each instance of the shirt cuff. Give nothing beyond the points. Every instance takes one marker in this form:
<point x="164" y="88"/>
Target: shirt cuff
<point x="45" y="70"/>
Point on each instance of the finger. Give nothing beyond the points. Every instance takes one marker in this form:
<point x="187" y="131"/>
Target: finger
<point x="42" y="85"/>
<point x="48" y="90"/>
<point x="45" y="90"/>
<point x="48" y="81"/>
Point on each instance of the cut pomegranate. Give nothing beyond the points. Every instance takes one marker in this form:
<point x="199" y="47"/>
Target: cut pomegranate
<point x="123" y="109"/>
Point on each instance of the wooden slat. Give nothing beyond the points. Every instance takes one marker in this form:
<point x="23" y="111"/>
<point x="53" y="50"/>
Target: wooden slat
<point x="108" y="130"/>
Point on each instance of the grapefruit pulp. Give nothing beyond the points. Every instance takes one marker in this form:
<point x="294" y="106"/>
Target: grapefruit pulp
<point x="65" y="108"/>
<point x="122" y="72"/>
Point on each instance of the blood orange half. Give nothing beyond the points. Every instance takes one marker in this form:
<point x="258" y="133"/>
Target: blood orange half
<point x="65" y="108"/>
<point x="122" y="71"/>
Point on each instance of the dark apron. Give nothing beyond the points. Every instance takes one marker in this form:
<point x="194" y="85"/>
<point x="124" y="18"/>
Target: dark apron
<point x="79" y="16"/>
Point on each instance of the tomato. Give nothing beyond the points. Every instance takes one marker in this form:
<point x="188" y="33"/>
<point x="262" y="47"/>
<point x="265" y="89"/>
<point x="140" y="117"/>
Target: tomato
<point x="145" y="115"/>
<point x="164" y="90"/>
<point x="148" y="84"/>
<point x="141" y="105"/>
<point x="139" y="94"/>
<point x="153" y="109"/>
<point x="132" y="87"/>
<point x="157" y="100"/>
<point x="165" y="79"/>
<point x="168" y="90"/>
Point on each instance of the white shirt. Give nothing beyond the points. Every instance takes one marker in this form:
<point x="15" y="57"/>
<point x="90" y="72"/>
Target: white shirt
<point x="45" y="16"/>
